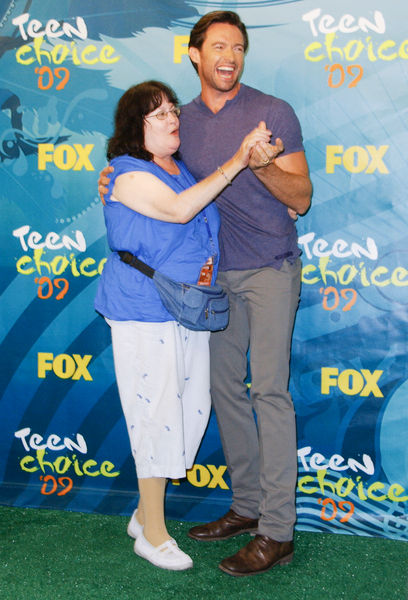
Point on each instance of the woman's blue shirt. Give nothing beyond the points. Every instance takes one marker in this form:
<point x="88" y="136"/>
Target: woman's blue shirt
<point x="177" y="250"/>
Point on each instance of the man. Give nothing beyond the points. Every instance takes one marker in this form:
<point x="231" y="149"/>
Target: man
<point x="260" y="269"/>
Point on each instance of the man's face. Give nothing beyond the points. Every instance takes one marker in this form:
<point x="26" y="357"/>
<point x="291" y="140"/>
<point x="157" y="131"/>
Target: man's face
<point x="220" y="60"/>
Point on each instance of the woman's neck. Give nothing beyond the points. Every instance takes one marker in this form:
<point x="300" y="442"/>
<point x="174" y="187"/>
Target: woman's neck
<point x="167" y="163"/>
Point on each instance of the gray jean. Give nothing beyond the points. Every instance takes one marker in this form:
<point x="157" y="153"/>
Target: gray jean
<point x="260" y="453"/>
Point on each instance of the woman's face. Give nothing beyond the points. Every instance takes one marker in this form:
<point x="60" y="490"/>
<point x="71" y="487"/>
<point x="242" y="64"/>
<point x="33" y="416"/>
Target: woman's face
<point x="161" y="136"/>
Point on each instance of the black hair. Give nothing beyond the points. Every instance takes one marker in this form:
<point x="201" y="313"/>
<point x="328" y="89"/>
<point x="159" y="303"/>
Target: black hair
<point x="137" y="102"/>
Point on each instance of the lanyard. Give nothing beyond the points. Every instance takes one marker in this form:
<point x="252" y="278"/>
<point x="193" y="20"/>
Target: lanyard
<point x="213" y="246"/>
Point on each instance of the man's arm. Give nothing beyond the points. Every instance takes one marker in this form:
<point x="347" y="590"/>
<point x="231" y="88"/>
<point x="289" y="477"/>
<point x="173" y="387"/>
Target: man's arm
<point x="286" y="177"/>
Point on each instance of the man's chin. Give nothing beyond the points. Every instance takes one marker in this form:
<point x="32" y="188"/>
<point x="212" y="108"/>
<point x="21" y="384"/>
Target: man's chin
<point x="226" y="86"/>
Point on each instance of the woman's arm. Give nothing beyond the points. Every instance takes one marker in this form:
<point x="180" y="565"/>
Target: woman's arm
<point x="146" y="194"/>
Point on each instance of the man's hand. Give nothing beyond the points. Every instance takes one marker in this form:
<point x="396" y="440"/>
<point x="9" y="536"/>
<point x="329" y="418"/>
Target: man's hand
<point x="263" y="154"/>
<point x="287" y="178"/>
<point x="103" y="182"/>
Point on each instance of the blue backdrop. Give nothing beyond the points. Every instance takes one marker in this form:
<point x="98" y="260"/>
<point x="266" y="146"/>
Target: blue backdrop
<point x="343" y="67"/>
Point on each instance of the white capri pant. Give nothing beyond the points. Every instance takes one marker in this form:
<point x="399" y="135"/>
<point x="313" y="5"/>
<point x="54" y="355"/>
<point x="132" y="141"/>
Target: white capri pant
<point x="163" y="375"/>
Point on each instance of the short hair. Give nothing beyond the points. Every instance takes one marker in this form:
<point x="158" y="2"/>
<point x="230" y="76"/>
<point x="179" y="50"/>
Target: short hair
<point x="198" y="33"/>
<point x="137" y="102"/>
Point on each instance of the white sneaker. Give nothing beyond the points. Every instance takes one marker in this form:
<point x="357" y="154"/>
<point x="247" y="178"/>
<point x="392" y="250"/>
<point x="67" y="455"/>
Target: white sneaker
<point x="134" y="529"/>
<point x="165" y="556"/>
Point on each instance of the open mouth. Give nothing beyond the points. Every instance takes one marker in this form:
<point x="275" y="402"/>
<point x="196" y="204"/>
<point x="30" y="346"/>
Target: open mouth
<point x="225" y="71"/>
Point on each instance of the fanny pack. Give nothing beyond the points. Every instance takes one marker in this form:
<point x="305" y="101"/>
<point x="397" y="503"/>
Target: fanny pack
<point x="200" y="308"/>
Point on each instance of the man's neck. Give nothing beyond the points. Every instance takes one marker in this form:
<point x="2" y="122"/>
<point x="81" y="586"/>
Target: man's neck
<point x="215" y="100"/>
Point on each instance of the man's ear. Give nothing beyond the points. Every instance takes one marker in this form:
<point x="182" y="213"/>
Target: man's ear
<point x="194" y="55"/>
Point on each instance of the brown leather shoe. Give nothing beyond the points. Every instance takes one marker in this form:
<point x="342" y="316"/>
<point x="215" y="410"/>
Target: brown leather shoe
<point x="229" y="525"/>
<point x="259" y="555"/>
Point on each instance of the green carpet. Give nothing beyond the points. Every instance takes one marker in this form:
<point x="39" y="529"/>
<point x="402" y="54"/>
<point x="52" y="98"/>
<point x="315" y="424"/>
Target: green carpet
<point x="48" y="554"/>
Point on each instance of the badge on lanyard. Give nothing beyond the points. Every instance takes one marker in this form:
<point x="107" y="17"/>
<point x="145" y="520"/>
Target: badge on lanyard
<point x="206" y="273"/>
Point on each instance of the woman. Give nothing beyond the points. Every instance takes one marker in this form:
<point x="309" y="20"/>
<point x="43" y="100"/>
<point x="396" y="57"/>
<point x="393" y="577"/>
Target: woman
<point x="153" y="211"/>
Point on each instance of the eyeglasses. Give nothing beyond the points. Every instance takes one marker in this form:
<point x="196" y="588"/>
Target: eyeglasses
<point x="163" y="114"/>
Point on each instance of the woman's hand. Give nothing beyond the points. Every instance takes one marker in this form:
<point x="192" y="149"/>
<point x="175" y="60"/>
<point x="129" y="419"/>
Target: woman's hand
<point x="259" y="135"/>
<point x="263" y="154"/>
<point x="103" y="182"/>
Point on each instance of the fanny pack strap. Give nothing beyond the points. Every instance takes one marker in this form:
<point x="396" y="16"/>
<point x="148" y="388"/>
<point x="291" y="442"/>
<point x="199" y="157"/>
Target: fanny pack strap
<point x="134" y="262"/>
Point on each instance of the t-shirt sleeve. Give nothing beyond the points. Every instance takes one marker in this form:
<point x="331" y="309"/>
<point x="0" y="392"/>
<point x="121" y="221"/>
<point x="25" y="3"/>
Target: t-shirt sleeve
<point x="124" y="164"/>
<point x="285" y="125"/>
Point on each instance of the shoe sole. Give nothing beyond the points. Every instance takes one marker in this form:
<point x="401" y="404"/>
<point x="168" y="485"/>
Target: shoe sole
<point x="220" y="538"/>
<point x="285" y="560"/>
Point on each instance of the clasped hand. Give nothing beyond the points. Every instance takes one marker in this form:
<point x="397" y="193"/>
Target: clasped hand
<point x="257" y="149"/>
<point x="263" y="154"/>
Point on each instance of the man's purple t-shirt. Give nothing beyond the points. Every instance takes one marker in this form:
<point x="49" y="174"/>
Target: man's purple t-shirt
<point x="256" y="230"/>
